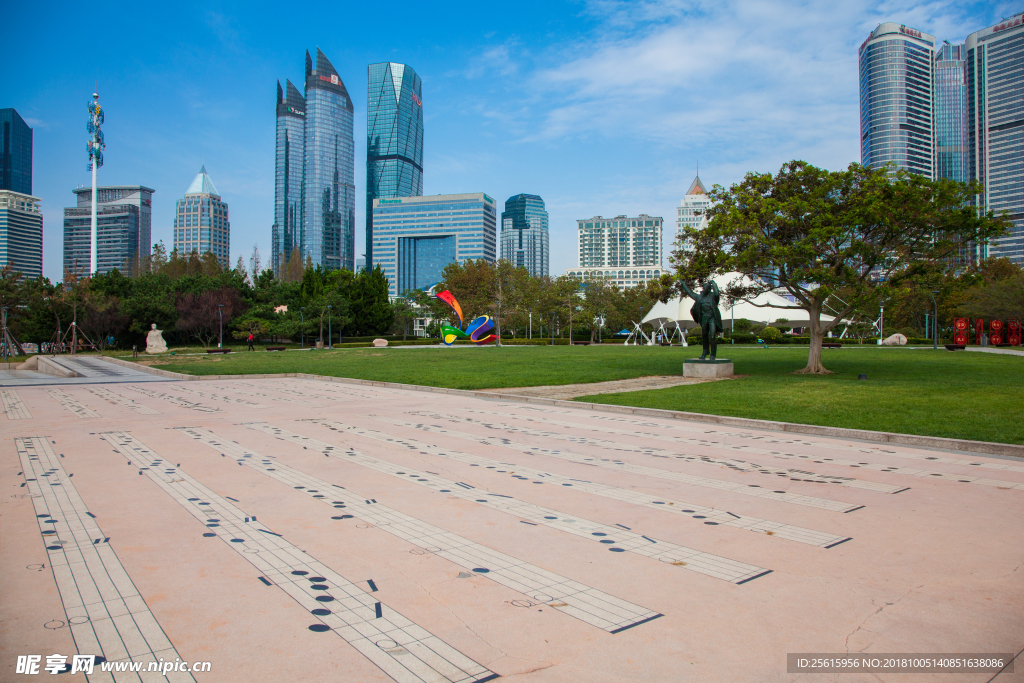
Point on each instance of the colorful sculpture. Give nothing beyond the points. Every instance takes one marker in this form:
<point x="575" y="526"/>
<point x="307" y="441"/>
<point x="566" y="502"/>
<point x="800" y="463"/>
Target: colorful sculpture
<point x="479" y="331"/>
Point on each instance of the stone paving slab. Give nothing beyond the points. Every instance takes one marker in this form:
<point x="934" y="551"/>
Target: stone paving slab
<point x="295" y="529"/>
<point x="618" y="386"/>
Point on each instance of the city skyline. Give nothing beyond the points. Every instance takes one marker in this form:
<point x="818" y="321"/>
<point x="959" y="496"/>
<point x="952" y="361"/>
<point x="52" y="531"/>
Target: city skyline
<point x="599" y="108"/>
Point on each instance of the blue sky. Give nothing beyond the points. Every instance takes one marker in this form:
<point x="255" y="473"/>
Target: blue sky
<point x="601" y="108"/>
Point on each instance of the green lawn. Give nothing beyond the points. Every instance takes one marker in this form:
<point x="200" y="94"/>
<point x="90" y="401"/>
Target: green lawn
<point x="938" y="393"/>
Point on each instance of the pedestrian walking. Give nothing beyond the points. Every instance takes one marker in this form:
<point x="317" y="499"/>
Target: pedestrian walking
<point x="251" y="338"/>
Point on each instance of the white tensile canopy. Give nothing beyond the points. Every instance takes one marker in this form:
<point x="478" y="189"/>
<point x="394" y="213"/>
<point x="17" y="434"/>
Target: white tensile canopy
<point x="770" y="307"/>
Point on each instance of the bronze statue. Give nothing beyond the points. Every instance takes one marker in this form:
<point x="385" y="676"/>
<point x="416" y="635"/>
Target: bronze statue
<point x="706" y="314"/>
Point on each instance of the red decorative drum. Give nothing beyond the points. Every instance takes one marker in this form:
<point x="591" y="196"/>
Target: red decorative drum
<point x="996" y="325"/>
<point x="960" y="338"/>
<point x="1013" y="339"/>
<point x="960" y="324"/>
<point x="995" y="338"/>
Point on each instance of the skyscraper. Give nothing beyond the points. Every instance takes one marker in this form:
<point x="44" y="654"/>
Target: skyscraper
<point x="995" y="128"/>
<point x="329" y="175"/>
<point x="201" y="221"/>
<point x="394" y="137"/>
<point x="416" y="237"/>
<point x="524" y="233"/>
<point x="21" y="233"/>
<point x="690" y="213"/>
<point x="317" y="215"/>
<point x="896" y="95"/>
<point x="950" y="113"/>
<point x="124" y="223"/>
<point x="291" y="123"/>
<point x="15" y="153"/>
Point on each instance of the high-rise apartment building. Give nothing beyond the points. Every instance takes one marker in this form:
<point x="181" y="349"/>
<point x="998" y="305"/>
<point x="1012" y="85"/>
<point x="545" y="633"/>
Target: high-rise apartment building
<point x="995" y="128"/>
<point x="322" y="225"/>
<point x="896" y="99"/>
<point x="690" y="212"/>
<point x="286" y="234"/>
<point x="124" y="216"/>
<point x="394" y="137"/>
<point x="625" y="251"/>
<point x="201" y="221"/>
<point x="15" y="153"/>
<point x="21" y="233"/>
<point x="524" y="234"/>
<point x="950" y="113"/>
<point x="414" y="238"/>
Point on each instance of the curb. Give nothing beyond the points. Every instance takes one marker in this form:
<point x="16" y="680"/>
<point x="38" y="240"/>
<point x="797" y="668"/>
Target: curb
<point x="931" y="442"/>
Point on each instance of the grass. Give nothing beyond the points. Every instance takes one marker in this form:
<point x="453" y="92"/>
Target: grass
<point x="937" y="393"/>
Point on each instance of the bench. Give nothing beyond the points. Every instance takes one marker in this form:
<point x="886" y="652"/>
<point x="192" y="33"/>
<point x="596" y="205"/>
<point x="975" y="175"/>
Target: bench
<point x="831" y="345"/>
<point x="218" y="350"/>
<point x="955" y="347"/>
<point x="275" y="348"/>
<point x="580" y="343"/>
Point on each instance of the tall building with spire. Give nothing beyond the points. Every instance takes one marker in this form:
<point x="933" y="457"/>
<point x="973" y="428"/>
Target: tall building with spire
<point x="318" y="218"/>
<point x="690" y="212"/>
<point x="201" y="221"/>
<point x="394" y="137"/>
<point x="286" y="235"/>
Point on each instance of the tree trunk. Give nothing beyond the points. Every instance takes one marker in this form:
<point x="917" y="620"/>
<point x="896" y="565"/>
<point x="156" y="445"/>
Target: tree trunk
<point x="814" y="366"/>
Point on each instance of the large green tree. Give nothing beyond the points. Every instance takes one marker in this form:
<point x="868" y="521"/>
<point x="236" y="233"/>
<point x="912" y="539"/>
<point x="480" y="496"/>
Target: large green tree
<point x="814" y="232"/>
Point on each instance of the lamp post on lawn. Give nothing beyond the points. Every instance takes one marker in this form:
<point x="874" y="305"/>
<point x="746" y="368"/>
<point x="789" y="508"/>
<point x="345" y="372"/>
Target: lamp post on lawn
<point x="330" y="338"/>
<point x="302" y="327"/>
<point x="935" y="321"/>
<point x="220" y="312"/>
<point x="881" y="323"/>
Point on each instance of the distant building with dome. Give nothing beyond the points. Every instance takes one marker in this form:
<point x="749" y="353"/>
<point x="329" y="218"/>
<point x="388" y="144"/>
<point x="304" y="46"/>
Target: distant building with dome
<point x="201" y="221"/>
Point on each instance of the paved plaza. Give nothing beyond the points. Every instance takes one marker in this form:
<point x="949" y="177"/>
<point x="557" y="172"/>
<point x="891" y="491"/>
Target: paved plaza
<point x="312" y="530"/>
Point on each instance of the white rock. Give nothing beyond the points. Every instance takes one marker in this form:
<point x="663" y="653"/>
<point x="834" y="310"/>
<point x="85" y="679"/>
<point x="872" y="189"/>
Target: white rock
<point x="895" y="340"/>
<point x="380" y="342"/>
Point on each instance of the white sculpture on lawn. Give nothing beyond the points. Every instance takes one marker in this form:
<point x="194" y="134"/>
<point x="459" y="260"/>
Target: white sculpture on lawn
<point x="155" y="341"/>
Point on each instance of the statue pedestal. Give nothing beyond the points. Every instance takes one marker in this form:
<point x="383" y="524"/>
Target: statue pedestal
<point x="707" y="369"/>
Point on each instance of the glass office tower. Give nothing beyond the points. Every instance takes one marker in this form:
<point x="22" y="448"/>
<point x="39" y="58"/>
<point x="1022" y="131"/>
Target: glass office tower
<point x="201" y="221"/>
<point x="950" y="113"/>
<point x="21" y="234"/>
<point x="524" y="233"/>
<point x="286" y="234"/>
<point x="416" y="237"/>
<point x="995" y="129"/>
<point x="394" y="137"/>
<point x="124" y="222"/>
<point x="329" y="175"/>
<point x="896" y="95"/>
<point x="15" y="153"/>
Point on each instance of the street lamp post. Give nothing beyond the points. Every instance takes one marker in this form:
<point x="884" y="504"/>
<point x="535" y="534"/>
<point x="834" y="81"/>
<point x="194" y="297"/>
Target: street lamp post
<point x="7" y="354"/>
<point x="330" y="337"/>
<point x="220" y="312"/>
<point x="881" y="323"/>
<point x="302" y="326"/>
<point x="935" y="321"/>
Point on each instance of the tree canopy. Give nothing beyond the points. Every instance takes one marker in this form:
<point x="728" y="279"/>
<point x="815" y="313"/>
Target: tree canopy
<point x="816" y="233"/>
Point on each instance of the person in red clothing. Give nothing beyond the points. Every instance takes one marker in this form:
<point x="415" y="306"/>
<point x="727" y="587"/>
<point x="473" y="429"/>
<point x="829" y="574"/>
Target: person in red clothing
<point x="251" y="338"/>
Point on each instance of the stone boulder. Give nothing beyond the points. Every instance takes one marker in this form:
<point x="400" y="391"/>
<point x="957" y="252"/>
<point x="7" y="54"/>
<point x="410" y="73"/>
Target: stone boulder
<point x="378" y="343"/>
<point x="895" y="340"/>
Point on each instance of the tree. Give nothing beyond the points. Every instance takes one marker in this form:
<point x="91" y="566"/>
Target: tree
<point x="102" y="318"/>
<point x="815" y="232"/>
<point x="200" y="315"/>
<point x="370" y="306"/>
<point x="405" y="313"/>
